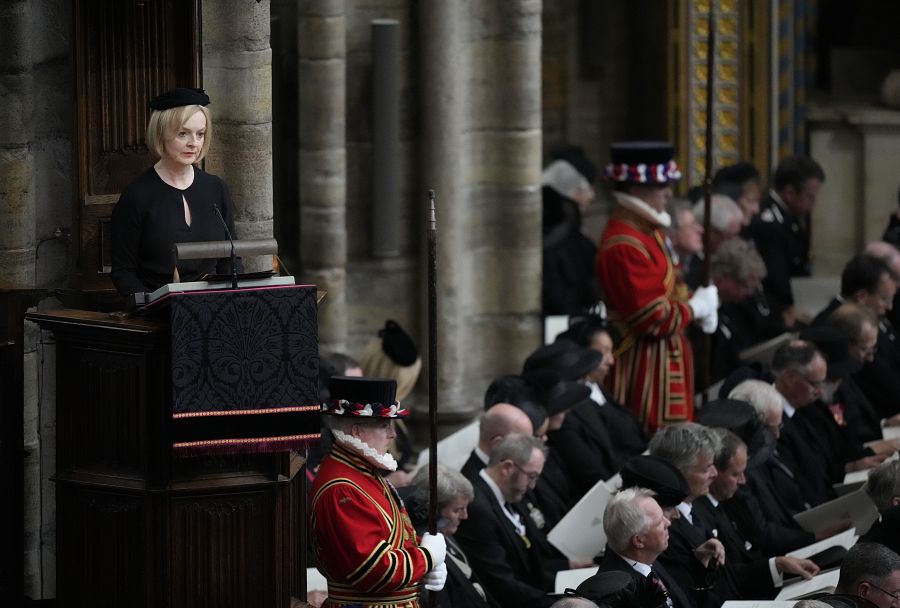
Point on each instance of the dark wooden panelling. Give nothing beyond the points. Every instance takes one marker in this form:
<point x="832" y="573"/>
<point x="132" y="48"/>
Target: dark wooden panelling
<point x="13" y="304"/>
<point x="126" y="52"/>
<point x="137" y="528"/>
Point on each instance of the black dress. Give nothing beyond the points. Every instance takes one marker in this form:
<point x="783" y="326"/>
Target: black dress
<point x="149" y="219"/>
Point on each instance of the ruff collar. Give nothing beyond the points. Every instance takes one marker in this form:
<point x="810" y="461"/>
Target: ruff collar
<point x="636" y="205"/>
<point x="379" y="461"/>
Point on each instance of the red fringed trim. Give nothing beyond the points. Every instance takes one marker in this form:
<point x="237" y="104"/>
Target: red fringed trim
<point x="244" y="446"/>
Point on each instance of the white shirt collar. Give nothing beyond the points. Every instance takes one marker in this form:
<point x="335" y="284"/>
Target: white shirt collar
<point x="596" y="395"/>
<point x="642" y="568"/>
<point x="789" y="410"/>
<point x="712" y="499"/>
<point x="512" y="516"/>
<point x="482" y="455"/>
<point x="685" y="509"/>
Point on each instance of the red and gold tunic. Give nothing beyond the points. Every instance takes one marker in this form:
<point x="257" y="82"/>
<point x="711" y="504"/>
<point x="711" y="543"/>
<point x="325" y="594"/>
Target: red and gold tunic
<point x="654" y="371"/>
<point x="363" y="538"/>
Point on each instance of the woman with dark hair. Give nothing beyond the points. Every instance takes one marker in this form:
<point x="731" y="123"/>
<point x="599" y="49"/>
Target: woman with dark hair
<point x="593" y="332"/>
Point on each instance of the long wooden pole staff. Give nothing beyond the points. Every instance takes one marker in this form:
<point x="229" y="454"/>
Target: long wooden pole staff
<point x="432" y="367"/>
<point x="707" y="185"/>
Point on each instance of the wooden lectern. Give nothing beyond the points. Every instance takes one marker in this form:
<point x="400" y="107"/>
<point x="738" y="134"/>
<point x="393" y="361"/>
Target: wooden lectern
<point x="137" y="526"/>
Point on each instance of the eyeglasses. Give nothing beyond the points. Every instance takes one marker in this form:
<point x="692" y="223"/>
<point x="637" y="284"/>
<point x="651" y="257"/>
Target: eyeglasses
<point x="896" y="596"/>
<point x="816" y="385"/>
<point x="531" y="476"/>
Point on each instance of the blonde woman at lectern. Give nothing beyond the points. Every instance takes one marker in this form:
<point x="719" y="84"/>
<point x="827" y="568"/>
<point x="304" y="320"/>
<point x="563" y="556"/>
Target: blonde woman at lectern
<point x="174" y="201"/>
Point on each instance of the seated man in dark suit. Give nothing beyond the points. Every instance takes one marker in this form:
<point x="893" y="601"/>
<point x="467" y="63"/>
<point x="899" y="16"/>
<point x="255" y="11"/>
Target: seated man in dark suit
<point x="637" y="532"/>
<point x="867" y="281"/>
<point x="883" y="486"/>
<point x="694" y="556"/>
<point x="771" y="497"/>
<point x="504" y="546"/>
<point x="757" y="576"/>
<point x="496" y="423"/>
<point x="871" y="571"/>
<point x="801" y="372"/>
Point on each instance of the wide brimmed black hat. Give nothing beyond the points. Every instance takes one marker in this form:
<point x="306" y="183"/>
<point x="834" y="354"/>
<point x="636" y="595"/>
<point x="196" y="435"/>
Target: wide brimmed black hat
<point x="582" y="329"/>
<point x="642" y="162"/>
<point x="618" y="589"/>
<point x="836" y="348"/>
<point x="178" y="97"/>
<point x="557" y="395"/>
<point x="566" y="358"/>
<point x="516" y="391"/>
<point x="363" y="398"/>
<point x="740" y="418"/>
<point x="655" y="474"/>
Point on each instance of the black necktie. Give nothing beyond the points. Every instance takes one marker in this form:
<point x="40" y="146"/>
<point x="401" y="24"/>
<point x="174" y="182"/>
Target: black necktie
<point x="654" y="578"/>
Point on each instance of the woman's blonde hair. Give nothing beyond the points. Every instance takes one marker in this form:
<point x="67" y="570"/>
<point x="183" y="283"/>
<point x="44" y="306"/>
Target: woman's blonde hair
<point x="165" y="123"/>
<point x="376" y="364"/>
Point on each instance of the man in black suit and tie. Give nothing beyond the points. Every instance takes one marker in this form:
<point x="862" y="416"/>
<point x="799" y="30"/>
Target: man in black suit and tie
<point x="781" y="230"/>
<point x="694" y="555"/>
<point x="757" y="576"/>
<point x="883" y="486"/>
<point x="504" y="546"/>
<point x="496" y="423"/>
<point x="637" y="532"/>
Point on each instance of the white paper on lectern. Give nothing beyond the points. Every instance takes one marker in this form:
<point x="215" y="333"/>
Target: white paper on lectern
<point x="570" y="579"/>
<point x="825" y="582"/>
<point x="758" y="604"/>
<point x="453" y="450"/>
<point x="845" y="539"/>
<point x="580" y="535"/>
<point x="217" y="285"/>
<point x="855" y="507"/>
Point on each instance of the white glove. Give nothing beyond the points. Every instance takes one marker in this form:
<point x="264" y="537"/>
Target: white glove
<point x="436" y="546"/>
<point x="705" y="304"/>
<point x="434" y="580"/>
<point x="709" y="324"/>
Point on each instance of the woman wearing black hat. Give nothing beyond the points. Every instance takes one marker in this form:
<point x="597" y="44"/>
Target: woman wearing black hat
<point x="174" y="201"/>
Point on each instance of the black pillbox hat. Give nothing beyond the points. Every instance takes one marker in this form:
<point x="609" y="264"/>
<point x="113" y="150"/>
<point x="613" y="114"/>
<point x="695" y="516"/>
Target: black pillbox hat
<point x="178" y="97"/>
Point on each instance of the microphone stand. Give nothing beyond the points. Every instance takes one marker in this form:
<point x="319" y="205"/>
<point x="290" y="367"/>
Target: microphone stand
<point x="234" y="280"/>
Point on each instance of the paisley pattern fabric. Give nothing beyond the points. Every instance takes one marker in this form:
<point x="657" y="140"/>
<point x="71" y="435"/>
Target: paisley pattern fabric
<point x="245" y="369"/>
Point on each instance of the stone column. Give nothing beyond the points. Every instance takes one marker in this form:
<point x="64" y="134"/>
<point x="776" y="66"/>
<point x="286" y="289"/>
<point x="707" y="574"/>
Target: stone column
<point x="323" y="164"/>
<point x="443" y="106"/>
<point x="237" y="74"/>
<point x="17" y="215"/>
<point x="505" y="219"/>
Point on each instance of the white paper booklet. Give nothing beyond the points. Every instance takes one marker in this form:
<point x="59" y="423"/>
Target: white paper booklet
<point x="209" y="285"/>
<point x="855" y="507"/>
<point x="453" y="450"/>
<point x="570" y="579"/>
<point x="845" y="539"/>
<point x="758" y="604"/>
<point x="580" y="535"/>
<point x="823" y="583"/>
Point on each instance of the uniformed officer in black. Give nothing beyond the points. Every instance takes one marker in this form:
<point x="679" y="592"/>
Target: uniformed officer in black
<point x="781" y="231"/>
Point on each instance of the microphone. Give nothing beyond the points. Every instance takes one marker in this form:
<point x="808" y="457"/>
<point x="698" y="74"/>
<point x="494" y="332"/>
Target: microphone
<point x="234" y="281"/>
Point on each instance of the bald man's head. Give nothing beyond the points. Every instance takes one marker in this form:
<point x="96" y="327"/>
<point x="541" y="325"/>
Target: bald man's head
<point x="498" y="422"/>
